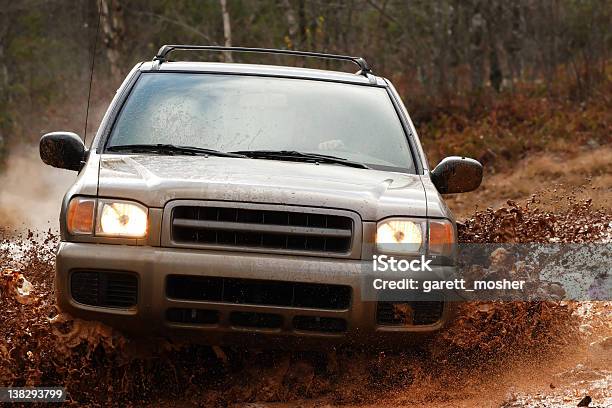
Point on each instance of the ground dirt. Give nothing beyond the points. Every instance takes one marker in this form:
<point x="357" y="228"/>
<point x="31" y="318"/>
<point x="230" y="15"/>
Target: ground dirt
<point x="583" y="174"/>
<point x="512" y="354"/>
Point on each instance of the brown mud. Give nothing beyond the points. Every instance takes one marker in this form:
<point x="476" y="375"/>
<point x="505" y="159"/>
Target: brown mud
<point x="495" y="354"/>
<point x="553" y="176"/>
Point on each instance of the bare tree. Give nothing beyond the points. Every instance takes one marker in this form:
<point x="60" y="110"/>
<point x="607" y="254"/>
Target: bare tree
<point x="227" y="30"/>
<point x="113" y="27"/>
<point x="477" y="51"/>
<point x="4" y="74"/>
<point x="292" y="24"/>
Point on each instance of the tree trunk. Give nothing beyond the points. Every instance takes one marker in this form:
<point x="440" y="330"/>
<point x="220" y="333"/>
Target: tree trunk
<point x="515" y="43"/>
<point x="113" y="29"/>
<point x="292" y="25"/>
<point x="477" y="51"/>
<point x="4" y="75"/>
<point x="227" y="30"/>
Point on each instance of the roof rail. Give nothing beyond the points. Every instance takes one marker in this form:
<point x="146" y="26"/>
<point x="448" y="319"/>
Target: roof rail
<point x="167" y="49"/>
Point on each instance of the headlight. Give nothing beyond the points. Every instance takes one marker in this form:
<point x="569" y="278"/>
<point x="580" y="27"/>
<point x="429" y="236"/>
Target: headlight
<point x="407" y="236"/>
<point x="121" y="219"/>
<point x="401" y="236"/>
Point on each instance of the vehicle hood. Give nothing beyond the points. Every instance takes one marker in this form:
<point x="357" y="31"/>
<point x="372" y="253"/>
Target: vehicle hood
<point x="155" y="180"/>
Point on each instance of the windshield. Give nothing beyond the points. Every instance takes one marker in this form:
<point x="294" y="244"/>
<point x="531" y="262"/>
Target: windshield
<point x="244" y="113"/>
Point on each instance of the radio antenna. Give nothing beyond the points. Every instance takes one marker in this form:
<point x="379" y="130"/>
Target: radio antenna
<point x="93" y="61"/>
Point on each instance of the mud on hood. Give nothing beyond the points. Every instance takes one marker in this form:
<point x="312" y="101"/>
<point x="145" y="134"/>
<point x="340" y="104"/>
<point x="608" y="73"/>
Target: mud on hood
<point x="154" y="180"/>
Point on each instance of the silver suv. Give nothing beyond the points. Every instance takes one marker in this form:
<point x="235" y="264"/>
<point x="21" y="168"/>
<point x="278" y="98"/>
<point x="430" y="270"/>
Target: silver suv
<point x="234" y="202"/>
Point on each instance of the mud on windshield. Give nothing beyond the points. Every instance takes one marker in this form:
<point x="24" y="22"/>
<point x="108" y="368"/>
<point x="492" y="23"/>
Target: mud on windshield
<point x="238" y="113"/>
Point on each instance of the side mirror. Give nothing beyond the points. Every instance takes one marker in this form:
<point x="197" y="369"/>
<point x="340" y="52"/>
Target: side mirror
<point x="456" y="174"/>
<point x="62" y="149"/>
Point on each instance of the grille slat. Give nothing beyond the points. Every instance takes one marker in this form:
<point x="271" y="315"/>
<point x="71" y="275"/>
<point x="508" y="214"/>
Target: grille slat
<point x="258" y="292"/>
<point x="119" y="296"/>
<point x="263" y="228"/>
<point x="266" y="229"/>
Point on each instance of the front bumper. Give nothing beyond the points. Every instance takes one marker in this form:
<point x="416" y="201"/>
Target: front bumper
<point x="152" y="266"/>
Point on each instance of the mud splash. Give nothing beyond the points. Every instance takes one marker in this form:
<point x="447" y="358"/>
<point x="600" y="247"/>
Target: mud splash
<point x="99" y="366"/>
<point x="578" y="222"/>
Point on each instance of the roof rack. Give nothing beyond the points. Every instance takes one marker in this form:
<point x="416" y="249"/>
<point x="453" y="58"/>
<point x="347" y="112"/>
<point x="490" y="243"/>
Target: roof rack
<point x="167" y="49"/>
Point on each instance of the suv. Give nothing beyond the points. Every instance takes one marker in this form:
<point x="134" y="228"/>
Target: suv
<point x="235" y="202"/>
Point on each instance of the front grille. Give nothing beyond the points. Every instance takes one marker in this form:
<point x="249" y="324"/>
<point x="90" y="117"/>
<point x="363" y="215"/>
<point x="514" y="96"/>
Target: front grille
<point x="261" y="228"/>
<point x="320" y="324"/>
<point x="192" y="316"/>
<point x="105" y="289"/>
<point x="256" y="320"/>
<point x="417" y="313"/>
<point x="258" y="292"/>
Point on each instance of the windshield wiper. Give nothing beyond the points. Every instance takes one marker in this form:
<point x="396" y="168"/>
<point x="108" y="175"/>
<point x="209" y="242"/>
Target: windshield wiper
<point x="292" y="155"/>
<point x="170" y="149"/>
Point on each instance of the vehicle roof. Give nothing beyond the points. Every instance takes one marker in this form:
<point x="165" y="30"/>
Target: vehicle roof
<point x="264" y="70"/>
